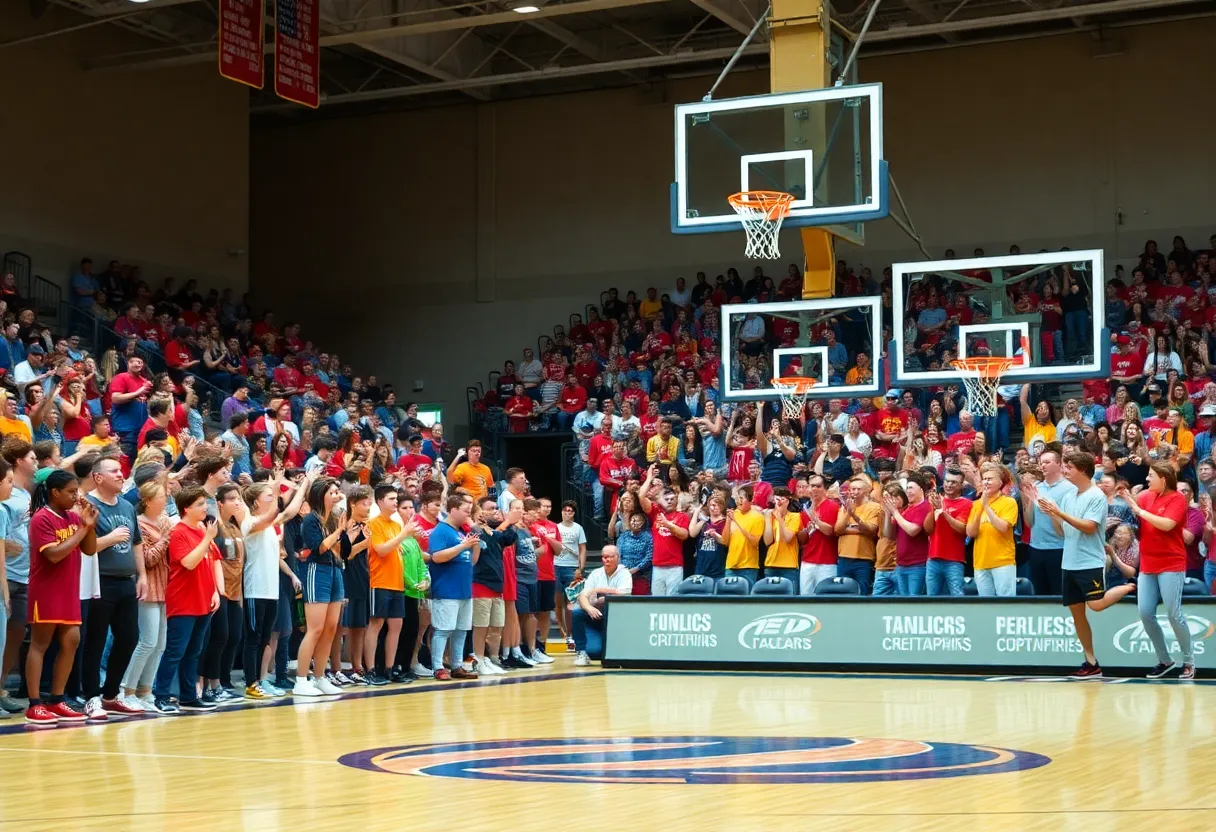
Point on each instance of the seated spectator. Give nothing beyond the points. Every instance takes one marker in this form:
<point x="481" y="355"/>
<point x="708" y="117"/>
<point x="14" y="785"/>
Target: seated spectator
<point x="588" y="616"/>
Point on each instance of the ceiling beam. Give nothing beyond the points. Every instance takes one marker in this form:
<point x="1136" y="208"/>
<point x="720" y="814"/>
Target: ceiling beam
<point x="926" y="14"/>
<point x="722" y="14"/>
<point x="385" y="33"/>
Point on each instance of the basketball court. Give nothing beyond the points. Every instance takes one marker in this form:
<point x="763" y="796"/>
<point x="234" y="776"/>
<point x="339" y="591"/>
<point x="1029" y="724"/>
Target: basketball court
<point x="642" y="750"/>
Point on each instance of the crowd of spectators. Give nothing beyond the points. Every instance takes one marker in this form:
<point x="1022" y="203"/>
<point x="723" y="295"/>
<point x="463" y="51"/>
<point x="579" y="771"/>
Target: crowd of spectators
<point x="149" y="552"/>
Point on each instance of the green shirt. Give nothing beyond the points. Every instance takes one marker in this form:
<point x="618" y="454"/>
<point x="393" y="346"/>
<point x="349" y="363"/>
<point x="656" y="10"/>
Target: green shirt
<point x="415" y="568"/>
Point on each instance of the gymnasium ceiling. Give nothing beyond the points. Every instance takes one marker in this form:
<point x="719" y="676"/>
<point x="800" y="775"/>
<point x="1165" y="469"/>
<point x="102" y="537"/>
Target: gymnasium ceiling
<point x="383" y="55"/>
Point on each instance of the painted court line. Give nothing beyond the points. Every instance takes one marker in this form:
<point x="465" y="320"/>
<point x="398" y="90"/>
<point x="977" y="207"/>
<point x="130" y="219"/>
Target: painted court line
<point x="95" y="753"/>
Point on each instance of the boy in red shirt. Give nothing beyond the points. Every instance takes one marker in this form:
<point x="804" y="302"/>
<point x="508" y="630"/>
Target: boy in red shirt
<point x="191" y="596"/>
<point x="947" y="542"/>
<point x="545" y="530"/>
<point x="670" y="530"/>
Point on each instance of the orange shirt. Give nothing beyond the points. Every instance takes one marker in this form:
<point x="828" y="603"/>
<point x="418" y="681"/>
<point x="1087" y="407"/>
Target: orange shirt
<point x="385" y="570"/>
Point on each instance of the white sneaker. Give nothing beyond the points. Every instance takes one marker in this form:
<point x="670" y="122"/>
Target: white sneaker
<point x="148" y="701"/>
<point x="519" y="656"/>
<point x="94" y="711"/>
<point x="135" y="703"/>
<point x="541" y="657"/>
<point x="422" y="672"/>
<point x="305" y="687"/>
<point x="326" y="687"/>
<point x="485" y="667"/>
<point x="582" y="659"/>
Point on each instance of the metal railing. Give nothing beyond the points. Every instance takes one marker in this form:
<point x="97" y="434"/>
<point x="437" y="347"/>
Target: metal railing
<point x="22" y="267"/>
<point x="46" y="298"/>
<point x="101" y="337"/>
<point x="575" y="488"/>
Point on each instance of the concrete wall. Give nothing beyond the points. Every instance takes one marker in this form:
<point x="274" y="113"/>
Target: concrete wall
<point x="533" y="207"/>
<point x="151" y="167"/>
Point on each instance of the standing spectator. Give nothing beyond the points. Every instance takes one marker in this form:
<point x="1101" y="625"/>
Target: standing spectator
<point x="1046" y="548"/>
<point x="324" y="593"/>
<point x="568" y="564"/>
<point x="129" y="393"/>
<point x="670" y="529"/>
<point x="746" y="528"/>
<point x="154" y="529"/>
<point x="614" y="471"/>
<point x="387" y="580"/>
<point x="781" y="537"/>
<point x="990" y="525"/>
<point x="120" y="564"/>
<point x="818" y="537"/>
<point x="887" y="426"/>
<point x="470" y="473"/>
<point x="913" y="525"/>
<point x="497" y="535"/>
<point x="857" y="528"/>
<point x="454" y="552"/>
<point x="712" y="531"/>
<point x="636" y="548"/>
<point x="1162" y="514"/>
<point x="947" y="542"/>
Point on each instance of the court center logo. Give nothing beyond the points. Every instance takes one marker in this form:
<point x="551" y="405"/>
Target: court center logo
<point x="696" y="760"/>
<point x="1132" y="638"/>
<point x="780" y="631"/>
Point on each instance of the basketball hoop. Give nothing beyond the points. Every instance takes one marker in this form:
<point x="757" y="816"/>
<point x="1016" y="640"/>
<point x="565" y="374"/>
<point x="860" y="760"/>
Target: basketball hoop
<point x="761" y="213"/>
<point x="794" y="391"/>
<point x="982" y="376"/>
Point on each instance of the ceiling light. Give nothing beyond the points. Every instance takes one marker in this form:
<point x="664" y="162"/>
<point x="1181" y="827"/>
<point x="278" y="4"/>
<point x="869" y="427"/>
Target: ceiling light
<point x="525" y="9"/>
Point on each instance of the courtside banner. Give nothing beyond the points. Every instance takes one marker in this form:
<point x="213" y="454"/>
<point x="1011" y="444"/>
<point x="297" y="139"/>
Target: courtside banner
<point x="242" y="38"/>
<point x="882" y="633"/>
<point x="297" y="51"/>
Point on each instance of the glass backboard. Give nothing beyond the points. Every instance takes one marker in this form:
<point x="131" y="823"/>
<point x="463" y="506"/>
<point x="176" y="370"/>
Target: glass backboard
<point x="823" y="146"/>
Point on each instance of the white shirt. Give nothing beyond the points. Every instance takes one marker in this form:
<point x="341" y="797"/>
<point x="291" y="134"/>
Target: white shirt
<point x="572" y="537"/>
<point x="23" y="373"/>
<point x="273" y="426"/>
<point x="681" y="298"/>
<point x="261" y="578"/>
<point x="621" y="579"/>
<point x="861" y="444"/>
<point x="622" y="428"/>
<point x="531" y="372"/>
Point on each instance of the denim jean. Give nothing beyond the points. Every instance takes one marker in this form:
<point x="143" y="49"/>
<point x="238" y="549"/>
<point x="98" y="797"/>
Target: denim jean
<point x="944" y="577"/>
<point x="910" y="580"/>
<point x="184" y="639"/>
<point x="1001" y="580"/>
<point x="588" y="633"/>
<point x="996" y="430"/>
<point x="1164" y="588"/>
<point x="751" y="575"/>
<point x="1076" y="324"/>
<point x="810" y="574"/>
<point x="1209" y="574"/>
<point x="884" y="582"/>
<point x="141" y="670"/>
<point x="791" y="573"/>
<point x="565" y="421"/>
<point x="859" y="570"/>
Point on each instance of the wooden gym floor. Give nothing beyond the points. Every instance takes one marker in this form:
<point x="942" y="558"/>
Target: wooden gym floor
<point x="594" y="749"/>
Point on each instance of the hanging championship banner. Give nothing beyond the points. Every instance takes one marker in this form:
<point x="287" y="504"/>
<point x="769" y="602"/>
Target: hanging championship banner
<point x="242" y="38"/>
<point x="297" y="52"/>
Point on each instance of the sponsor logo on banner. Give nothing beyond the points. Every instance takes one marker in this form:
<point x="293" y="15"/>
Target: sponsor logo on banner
<point x="679" y="629"/>
<point x="780" y="631"/>
<point x="1133" y="639"/>
<point x="921" y="633"/>
<point x="1036" y="634"/>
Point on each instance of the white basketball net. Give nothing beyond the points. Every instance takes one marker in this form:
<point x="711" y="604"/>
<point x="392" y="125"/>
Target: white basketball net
<point x="793" y="400"/>
<point x="981" y="392"/>
<point x="761" y="217"/>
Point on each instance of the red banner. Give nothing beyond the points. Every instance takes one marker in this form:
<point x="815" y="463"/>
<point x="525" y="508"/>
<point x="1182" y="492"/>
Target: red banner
<point x="243" y="41"/>
<point x="297" y="51"/>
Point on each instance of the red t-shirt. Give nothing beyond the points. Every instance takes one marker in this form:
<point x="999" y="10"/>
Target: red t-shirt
<point x="598" y="449"/>
<point x="1162" y="551"/>
<point x="177" y="354"/>
<point x="820" y="548"/>
<point x="668" y="549"/>
<point x="961" y="442"/>
<point x="945" y="543"/>
<point x="913" y="550"/>
<point x="650" y="426"/>
<point x="287" y="377"/>
<point x="54" y="588"/>
<point x="544" y="555"/>
<point x="409" y="463"/>
<point x="189" y="591"/>
<point x="425" y="527"/>
<point x="612" y="468"/>
<point x="143" y="431"/>
<point x="887" y="421"/>
<point x="740" y="460"/>
<point x="1124" y="366"/>
<point x="573" y="399"/>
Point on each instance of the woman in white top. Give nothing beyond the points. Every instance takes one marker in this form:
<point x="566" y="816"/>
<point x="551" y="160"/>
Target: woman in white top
<point x="261" y="526"/>
<point x="1161" y="360"/>
<point x="1072" y="416"/>
<point x="855" y="440"/>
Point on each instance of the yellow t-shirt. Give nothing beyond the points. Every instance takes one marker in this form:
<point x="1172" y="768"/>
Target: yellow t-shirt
<point x="475" y="479"/>
<point x="993" y="548"/>
<point x="16" y="427"/>
<point x="885" y="559"/>
<point x="858" y="545"/>
<point x="93" y="441"/>
<point x="741" y="554"/>
<point x="1032" y="429"/>
<point x="782" y="555"/>
<point x="650" y="308"/>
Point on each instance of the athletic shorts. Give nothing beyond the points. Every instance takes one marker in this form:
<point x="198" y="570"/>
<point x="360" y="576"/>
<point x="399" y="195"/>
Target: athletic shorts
<point x="18" y="594"/>
<point x="323" y="584"/>
<point x="1081" y="585"/>
<point x="388" y="603"/>
<point x="355" y="614"/>
<point x="452" y="613"/>
<point x="527" y="598"/>
<point x="545" y="590"/>
<point x="489" y="612"/>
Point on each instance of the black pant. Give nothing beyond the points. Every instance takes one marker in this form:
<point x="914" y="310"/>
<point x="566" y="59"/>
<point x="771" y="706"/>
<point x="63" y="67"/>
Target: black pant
<point x="409" y="633"/>
<point x="223" y="642"/>
<point x="261" y="614"/>
<point x="1045" y="571"/>
<point x="116" y="609"/>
